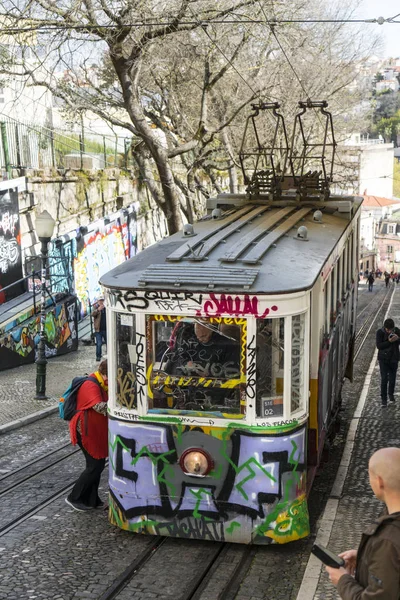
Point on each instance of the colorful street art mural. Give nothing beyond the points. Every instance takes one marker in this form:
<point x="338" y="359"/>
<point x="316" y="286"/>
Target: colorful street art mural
<point x="100" y="251"/>
<point x="10" y="244"/>
<point x="255" y="493"/>
<point x="18" y="346"/>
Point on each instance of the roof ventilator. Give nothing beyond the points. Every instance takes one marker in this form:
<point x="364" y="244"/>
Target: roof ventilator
<point x="317" y="216"/>
<point x="188" y="230"/>
<point x="302" y="234"/>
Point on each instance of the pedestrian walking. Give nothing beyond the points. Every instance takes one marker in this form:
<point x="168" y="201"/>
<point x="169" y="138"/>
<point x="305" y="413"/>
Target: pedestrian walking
<point x="374" y="570"/>
<point x="387" y="342"/>
<point x="89" y="429"/>
<point x="370" y="280"/>
<point x="100" y="326"/>
<point x="387" y="279"/>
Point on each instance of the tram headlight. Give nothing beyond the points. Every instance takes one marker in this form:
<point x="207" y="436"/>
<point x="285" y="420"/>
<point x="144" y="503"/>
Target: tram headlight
<point x="196" y="462"/>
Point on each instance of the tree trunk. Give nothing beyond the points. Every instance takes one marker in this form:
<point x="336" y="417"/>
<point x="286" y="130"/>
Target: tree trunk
<point x="171" y="206"/>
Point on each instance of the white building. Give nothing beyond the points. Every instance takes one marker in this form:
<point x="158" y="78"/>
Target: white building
<point x="365" y="167"/>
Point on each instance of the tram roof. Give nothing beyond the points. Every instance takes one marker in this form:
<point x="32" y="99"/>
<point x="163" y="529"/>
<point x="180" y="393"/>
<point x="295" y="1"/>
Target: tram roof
<point x="251" y="247"/>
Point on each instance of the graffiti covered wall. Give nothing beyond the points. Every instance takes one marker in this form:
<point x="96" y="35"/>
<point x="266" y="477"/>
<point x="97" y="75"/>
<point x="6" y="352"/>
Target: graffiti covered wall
<point x="100" y="251"/>
<point x="254" y="493"/>
<point x="10" y="243"/>
<point x="18" y="346"/>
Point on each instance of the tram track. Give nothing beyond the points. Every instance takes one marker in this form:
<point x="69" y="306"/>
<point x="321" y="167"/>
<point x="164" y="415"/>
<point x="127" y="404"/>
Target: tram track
<point x="20" y="518"/>
<point x="13" y="486"/>
<point x="217" y="557"/>
<point x="365" y="329"/>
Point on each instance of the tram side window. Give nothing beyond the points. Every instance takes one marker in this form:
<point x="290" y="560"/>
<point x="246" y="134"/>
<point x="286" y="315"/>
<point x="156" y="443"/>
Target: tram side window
<point x="298" y="332"/>
<point x="127" y="360"/>
<point x="196" y="365"/>
<point x="270" y="367"/>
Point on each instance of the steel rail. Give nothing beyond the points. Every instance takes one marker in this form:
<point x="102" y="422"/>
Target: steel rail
<point x="45" y="468"/>
<point x="231" y="588"/>
<point x="369" y="304"/>
<point x="33" y="461"/>
<point x="363" y="336"/>
<point x="127" y="575"/>
<point x="32" y="511"/>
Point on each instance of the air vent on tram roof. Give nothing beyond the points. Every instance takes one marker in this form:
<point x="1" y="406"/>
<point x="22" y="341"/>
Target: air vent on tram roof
<point x="203" y="244"/>
<point x="157" y="276"/>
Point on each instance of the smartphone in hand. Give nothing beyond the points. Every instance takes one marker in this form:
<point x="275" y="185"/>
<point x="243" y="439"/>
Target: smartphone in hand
<point x="327" y="557"/>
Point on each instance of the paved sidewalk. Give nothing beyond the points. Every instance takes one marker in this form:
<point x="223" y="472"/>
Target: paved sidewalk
<point x="352" y="506"/>
<point x="17" y="386"/>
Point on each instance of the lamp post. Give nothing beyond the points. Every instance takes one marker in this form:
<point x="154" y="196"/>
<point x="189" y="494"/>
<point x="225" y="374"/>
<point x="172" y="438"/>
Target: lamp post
<point x="44" y="229"/>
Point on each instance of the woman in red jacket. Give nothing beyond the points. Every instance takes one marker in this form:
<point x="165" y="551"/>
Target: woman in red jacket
<point x="89" y="428"/>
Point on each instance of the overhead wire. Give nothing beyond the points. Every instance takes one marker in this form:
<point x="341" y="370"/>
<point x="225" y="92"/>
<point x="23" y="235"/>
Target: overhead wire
<point x="43" y="27"/>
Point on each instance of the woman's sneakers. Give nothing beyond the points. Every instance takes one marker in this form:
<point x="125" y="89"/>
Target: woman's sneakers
<point x="78" y="506"/>
<point x="392" y="399"/>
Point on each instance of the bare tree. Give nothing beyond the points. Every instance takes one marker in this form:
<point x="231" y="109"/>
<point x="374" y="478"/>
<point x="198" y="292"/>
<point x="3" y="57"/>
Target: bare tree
<point x="178" y="74"/>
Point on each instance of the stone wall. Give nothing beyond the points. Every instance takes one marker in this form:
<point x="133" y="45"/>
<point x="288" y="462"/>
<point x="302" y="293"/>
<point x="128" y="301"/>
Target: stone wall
<point x="76" y="198"/>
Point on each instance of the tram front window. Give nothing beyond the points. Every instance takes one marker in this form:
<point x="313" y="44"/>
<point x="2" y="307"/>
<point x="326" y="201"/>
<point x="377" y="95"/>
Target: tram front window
<point x="196" y="365"/>
<point x="270" y="367"/>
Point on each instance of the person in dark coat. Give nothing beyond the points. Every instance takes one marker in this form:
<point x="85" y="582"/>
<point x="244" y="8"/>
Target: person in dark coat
<point x="100" y="326"/>
<point x="373" y="572"/>
<point x="89" y="429"/>
<point x="370" y="280"/>
<point x="387" y="342"/>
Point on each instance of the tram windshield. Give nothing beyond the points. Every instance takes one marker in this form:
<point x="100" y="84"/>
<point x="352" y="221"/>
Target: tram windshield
<point x="196" y="364"/>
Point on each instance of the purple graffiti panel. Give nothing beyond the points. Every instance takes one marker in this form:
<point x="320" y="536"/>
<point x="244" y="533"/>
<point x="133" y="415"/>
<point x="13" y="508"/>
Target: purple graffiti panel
<point x="255" y="491"/>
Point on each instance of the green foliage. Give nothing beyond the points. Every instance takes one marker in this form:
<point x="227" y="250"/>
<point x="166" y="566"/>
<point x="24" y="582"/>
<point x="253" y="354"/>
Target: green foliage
<point x="389" y="128"/>
<point x="387" y="105"/>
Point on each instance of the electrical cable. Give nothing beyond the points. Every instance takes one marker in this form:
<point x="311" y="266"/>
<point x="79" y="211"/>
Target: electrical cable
<point x="51" y="28"/>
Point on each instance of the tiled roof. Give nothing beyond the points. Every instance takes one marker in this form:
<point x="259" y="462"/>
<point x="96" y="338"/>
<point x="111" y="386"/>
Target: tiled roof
<point x="376" y="201"/>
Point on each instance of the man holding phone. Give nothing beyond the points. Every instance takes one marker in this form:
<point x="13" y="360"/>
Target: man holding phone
<point x="373" y="572"/>
<point x="387" y="342"/>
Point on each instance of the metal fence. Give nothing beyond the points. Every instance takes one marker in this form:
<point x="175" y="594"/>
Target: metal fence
<point x="24" y="145"/>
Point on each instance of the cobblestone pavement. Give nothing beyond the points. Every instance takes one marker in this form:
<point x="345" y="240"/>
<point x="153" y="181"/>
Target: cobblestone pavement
<point x="17" y="386"/>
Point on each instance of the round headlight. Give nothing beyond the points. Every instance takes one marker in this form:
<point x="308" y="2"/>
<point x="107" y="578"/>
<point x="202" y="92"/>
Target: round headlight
<point x="196" y="461"/>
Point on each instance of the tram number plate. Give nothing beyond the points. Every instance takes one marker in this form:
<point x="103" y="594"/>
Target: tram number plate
<point x="272" y="407"/>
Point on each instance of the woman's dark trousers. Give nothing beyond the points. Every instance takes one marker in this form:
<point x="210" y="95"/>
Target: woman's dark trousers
<point x="388" y="376"/>
<point x="86" y="488"/>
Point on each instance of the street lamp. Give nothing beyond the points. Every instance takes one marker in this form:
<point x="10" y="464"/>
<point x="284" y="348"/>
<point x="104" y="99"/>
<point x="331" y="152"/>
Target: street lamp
<point x="44" y="229"/>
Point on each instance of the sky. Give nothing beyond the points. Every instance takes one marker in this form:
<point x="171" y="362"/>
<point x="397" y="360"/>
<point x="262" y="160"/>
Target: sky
<point x="372" y="9"/>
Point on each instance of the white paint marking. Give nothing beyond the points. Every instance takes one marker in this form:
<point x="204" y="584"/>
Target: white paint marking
<point x="312" y="573"/>
<point x="38" y="517"/>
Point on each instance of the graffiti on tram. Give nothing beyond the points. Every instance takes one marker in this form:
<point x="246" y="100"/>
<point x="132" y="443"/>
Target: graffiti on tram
<point x="256" y="488"/>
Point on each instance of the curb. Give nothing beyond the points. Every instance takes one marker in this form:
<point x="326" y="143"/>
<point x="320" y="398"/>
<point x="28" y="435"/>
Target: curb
<point x="41" y="414"/>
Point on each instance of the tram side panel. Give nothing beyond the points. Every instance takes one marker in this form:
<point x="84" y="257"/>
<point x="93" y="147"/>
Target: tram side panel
<point x="337" y="327"/>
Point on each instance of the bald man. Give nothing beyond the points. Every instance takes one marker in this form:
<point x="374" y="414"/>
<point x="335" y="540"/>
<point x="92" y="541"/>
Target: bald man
<point x="373" y="572"/>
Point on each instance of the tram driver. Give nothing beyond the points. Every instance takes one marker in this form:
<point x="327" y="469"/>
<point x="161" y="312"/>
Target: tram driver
<point x="204" y="351"/>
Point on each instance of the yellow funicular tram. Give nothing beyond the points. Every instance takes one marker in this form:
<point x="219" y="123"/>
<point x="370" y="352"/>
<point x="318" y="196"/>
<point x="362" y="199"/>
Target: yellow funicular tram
<point x="228" y="345"/>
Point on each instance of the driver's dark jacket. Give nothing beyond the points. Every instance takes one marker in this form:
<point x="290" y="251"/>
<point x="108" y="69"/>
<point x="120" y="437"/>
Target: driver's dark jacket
<point x="378" y="563"/>
<point x="218" y="358"/>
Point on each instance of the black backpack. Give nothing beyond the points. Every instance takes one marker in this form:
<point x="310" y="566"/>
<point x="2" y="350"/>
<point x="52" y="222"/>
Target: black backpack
<point x="67" y="402"/>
